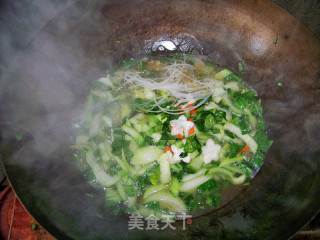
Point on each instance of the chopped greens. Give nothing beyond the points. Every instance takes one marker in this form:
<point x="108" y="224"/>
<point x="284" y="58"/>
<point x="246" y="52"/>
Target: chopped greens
<point x="19" y="137"/>
<point x="167" y="134"/>
<point x="275" y="40"/>
<point x="241" y="67"/>
<point x="34" y="227"/>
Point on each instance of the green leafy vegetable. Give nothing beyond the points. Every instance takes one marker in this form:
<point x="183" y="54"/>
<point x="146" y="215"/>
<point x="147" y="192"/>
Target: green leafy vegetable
<point x="129" y="64"/>
<point x="192" y="144"/>
<point x="130" y="191"/>
<point x="262" y="139"/>
<point x="119" y="141"/>
<point x="210" y="185"/>
<point x="215" y="200"/>
<point x="258" y="159"/>
<point x="155" y="175"/>
<point x="241" y="67"/>
<point x="175" y="187"/>
<point x="125" y="143"/>
<point x="232" y="78"/>
<point x="116" y="211"/>
<point x="34" y="227"/>
<point x="143" y="65"/>
<point x="209" y="122"/>
<point x="19" y="137"/>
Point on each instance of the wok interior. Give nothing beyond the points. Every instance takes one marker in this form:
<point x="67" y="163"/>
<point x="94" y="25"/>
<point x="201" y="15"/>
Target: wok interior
<point x="47" y="88"/>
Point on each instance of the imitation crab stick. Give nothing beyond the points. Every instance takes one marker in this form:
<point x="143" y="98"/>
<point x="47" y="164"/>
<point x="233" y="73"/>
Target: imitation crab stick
<point x="167" y="148"/>
<point x="193" y="111"/>
<point x="191" y="131"/>
<point x="182" y="108"/>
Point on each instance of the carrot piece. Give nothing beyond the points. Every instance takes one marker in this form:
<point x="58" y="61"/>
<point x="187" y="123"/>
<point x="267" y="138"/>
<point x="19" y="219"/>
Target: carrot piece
<point x="180" y="136"/>
<point x="189" y="105"/>
<point x="167" y="148"/>
<point x="193" y="111"/>
<point x="190" y="119"/>
<point x="171" y="127"/>
<point x="182" y="108"/>
<point x="191" y="131"/>
<point x="244" y="149"/>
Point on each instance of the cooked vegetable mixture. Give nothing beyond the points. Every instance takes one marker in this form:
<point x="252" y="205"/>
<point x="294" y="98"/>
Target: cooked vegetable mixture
<point x="161" y="135"/>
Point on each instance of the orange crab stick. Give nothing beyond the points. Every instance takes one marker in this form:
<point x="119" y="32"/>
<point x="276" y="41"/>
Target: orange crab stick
<point x="167" y="148"/>
<point x="193" y="111"/>
<point x="191" y="131"/>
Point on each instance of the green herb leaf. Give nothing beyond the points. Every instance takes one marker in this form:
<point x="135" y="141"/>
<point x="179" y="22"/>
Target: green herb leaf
<point x="116" y="211"/>
<point x="34" y="227"/>
<point x="155" y="175"/>
<point x="246" y="167"/>
<point x="153" y="179"/>
<point x="129" y="190"/>
<point x="175" y="187"/>
<point x="258" y="159"/>
<point x="209" y="201"/>
<point x="153" y="205"/>
<point x="262" y="140"/>
<point x="129" y="63"/>
<point x="109" y="202"/>
<point x="119" y="142"/>
<point x="143" y="65"/>
<point x="183" y="154"/>
<point x="234" y="149"/>
<point x="142" y="182"/>
<point x="275" y="40"/>
<point x="241" y="67"/>
<point x="19" y="137"/>
<point x="243" y="124"/>
<point x="209" y="185"/>
<point x="193" y="205"/>
<point x="232" y="78"/>
<point x="176" y="167"/>
<point x="192" y="144"/>
<point x="209" y="122"/>
<point x="147" y="141"/>
<point x="244" y="100"/>
<point x="216" y="199"/>
<point x="219" y="116"/>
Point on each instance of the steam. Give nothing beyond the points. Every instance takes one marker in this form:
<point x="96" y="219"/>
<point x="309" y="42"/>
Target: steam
<point x="43" y="84"/>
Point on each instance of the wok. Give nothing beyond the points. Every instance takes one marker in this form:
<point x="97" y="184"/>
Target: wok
<point x="45" y="87"/>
